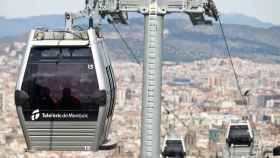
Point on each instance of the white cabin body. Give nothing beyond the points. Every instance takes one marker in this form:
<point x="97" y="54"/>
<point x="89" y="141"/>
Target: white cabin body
<point x="65" y="93"/>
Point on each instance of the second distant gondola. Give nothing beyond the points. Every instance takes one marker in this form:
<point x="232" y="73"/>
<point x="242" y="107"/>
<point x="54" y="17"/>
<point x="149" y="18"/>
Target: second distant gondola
<point x="65" y="93"/>
<point x="239" y="133"/>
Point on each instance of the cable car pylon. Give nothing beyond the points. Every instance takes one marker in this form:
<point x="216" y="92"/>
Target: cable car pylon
<point x="151" y="101"/>
<point x="154" y="13"/>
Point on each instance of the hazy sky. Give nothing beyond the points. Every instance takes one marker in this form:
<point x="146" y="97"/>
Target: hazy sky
<point x="265" y="10"/>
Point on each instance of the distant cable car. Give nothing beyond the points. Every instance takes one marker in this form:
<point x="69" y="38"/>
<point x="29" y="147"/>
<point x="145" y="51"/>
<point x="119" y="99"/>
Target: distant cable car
<point x="239" y="133"/>
<point x="65" y="93"/>
<point x="173" y="147"/>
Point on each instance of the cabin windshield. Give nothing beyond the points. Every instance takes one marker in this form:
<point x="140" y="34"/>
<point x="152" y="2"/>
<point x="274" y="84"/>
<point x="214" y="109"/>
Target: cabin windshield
<point x="174" y="148"/>
<point x="239" y="130"/>
<point x="174" y="143"/>
<point x="239" y="127"/>
<point x="61" y="79"/>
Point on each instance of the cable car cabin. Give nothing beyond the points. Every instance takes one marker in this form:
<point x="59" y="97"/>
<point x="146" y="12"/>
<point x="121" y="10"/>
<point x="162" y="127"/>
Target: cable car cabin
<point x="239" y="133"/>
<point x="65" y="93"/>
<point x="173" y="147"/>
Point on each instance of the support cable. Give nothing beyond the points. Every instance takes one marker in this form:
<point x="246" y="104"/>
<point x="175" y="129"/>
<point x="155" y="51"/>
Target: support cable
<point x="126" y="45"/>
<point x="228" y="53"/>
<point x="230" y="58"/>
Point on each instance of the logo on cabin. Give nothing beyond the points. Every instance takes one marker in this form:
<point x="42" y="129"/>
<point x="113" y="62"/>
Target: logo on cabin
<point x="90" y="66"/>
<point x="35" y="115"/>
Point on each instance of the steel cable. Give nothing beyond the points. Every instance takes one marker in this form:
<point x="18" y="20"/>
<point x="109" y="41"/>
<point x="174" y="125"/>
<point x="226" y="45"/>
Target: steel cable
<point x="126" y="44"/>
<point x="230" y="59"/>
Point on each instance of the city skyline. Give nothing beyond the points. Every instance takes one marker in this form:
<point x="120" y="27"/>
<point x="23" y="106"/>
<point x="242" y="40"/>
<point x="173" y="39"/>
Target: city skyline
<point x="211" y="103"/>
